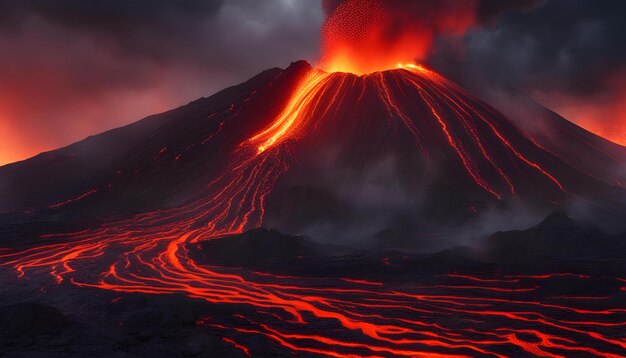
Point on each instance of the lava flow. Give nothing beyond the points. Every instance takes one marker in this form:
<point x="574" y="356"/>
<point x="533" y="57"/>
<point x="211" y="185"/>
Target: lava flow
<point x="492" y="316"/>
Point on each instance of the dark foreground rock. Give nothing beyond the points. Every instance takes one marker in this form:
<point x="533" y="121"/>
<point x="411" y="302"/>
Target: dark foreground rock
<point x="557" y="238"/>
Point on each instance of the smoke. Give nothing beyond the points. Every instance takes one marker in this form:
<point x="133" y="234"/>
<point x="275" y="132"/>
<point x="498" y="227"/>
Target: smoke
<point x="582" y="151"/>
<point x="379" y="206"/>
<point x="363" y="36"/>
<point x="353" y="204"/>
<point x="485" y="11"/>
<point x="603" y="113"/>
<point x="567" y="54"/>
<point x="376" y="198"/>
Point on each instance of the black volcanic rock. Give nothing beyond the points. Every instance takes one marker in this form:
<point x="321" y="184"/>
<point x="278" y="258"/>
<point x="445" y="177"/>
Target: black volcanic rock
<point x="301" y="206"/>
<point x="557" y="219"/>
<point x="259" y="247"/>
<point x="558" y="237"/>
<point x="458" y="252"/>
<point x="31" y="319"/>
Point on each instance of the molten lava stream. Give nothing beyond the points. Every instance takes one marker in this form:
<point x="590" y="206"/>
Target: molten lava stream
<point x="454" y="94"/>
<point x="473" y="316"/>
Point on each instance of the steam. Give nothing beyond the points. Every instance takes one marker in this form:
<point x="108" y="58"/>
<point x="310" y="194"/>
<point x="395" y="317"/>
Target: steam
<point x="377" y="206"/>
<point x="357" y="203"/>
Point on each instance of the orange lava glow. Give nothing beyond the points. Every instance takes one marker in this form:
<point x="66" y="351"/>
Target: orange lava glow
<point x="365" y="36"/>
<point x="244" y="349"/>
<point x="80" y="197"/>
<point x="287" y="124"/>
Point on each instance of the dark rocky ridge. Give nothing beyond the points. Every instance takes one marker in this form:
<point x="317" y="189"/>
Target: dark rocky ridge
<point x="557" y="238"/>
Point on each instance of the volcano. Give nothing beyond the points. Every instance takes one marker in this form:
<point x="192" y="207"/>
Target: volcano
<point x="307" y="151"/>
<point x="172" y="204"/>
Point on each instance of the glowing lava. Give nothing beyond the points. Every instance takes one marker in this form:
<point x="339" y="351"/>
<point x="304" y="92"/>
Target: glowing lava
<point x="299" y="106"/>
<point x="365" y="36"/>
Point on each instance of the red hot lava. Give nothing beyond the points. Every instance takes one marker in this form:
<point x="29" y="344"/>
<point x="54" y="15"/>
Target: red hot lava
<point x="364" y="36"/>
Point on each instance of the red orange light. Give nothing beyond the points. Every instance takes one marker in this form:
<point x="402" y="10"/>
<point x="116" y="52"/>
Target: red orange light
<point x="365" y="36"/>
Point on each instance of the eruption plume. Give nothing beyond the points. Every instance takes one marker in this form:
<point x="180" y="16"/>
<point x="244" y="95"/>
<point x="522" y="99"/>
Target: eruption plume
<point x="364" y="36"/>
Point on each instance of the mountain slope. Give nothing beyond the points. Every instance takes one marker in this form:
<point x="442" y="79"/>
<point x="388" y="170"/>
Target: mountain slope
<point x="578" y="147"/>
<point x="377" y="151"/>
<point x="162" y="160"/>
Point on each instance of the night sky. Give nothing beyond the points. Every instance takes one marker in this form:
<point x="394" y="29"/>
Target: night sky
<point x="72" y="68"/>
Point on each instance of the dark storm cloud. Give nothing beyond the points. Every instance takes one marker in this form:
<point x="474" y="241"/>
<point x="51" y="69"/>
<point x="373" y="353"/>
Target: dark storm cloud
<point x="164" y="30"/>
<point x="131" y="26"/>
<point x="569" y="45"/>
<point x="486" y="10"/>
<point x="116" y="16"/>
<point x="489" y="11"/>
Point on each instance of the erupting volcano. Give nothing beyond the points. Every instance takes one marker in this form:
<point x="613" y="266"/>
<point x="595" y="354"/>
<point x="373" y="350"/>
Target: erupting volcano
<point x="369" y="151"/>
